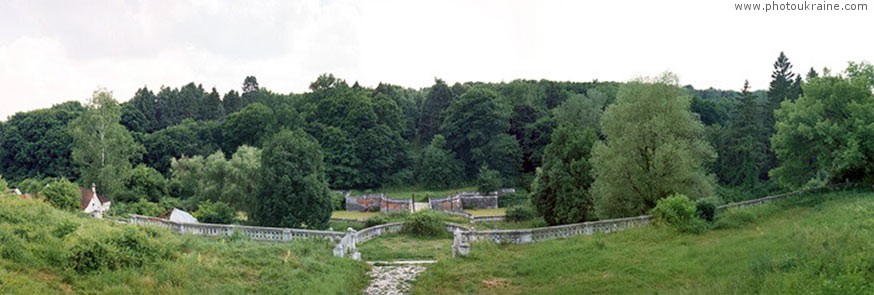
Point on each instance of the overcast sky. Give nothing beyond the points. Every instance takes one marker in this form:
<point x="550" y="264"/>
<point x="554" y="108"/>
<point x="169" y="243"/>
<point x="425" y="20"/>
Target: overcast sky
<point x="54" y="51"/>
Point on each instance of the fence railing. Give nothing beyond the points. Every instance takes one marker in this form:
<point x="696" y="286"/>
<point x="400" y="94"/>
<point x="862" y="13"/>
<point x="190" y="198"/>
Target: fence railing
<point x="522" y="236"/>
<point x="531" y="235"/>
<point x="253" y="232"/>
<point x="369" y="233"/>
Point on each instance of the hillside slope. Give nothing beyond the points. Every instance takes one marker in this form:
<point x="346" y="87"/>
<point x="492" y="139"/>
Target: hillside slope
<point x="45" y="251"/>
<point x="822" y="243"/>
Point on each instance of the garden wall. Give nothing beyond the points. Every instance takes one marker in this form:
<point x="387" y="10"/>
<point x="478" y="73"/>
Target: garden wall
<point x="377" y="202"/>
<point x="462" y="200"/>
<point x="254" y="232"/>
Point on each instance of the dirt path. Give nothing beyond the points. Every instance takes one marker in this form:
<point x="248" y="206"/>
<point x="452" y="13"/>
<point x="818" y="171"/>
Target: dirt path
<point x="394" y="277"/>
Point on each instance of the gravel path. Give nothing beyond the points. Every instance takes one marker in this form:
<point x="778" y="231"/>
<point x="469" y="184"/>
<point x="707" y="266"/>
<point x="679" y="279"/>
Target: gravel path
<point x="393" y="277"/>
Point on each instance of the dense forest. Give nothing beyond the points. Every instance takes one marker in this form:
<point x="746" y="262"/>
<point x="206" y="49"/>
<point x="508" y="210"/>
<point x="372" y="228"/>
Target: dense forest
<point x="584" y="150"/>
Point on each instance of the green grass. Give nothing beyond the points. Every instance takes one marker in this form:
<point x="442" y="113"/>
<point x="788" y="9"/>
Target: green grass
<point x="343" y="225"/>
<point x="47" y="251"/>
<point x="487" y="212"/>
<point x="808" y="244"/>
<point x="421" y="194"/>
<point x="362" y="216"/>
<point x="405" y="247"/>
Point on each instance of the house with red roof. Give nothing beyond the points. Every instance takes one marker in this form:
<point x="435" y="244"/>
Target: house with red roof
<point x="92" y="203"/>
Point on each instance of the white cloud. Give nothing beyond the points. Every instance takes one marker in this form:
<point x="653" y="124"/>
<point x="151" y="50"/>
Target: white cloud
<point x="55" y="51"/>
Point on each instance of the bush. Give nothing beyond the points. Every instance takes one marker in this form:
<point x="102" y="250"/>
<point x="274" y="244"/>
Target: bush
<point x="706" y="209"/>
<point x="488" y="180"/>
<point x="678" y="212"/>
<point x="3" y="185"/>
<point x="376" y="220"/>
<point x="113" y="249"/>
<point x="520" y="213"/>
<point x="140" y="207"/>
<point x="424" y="224"/>
<point x="32" y="185"/>
<point x="62" y="194"/>
<point x="518" y="198"/>
<point x="338" y="201"/>
<point x="218" y="212"/>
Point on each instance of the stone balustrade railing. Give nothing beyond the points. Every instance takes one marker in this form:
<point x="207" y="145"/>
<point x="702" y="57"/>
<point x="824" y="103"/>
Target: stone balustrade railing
<point x="476" y="219"/>
<point x="369" y="233"/>
<point x="531" y="235"/>
<point x="253" y="232"/>
<point x="522" y="236"/>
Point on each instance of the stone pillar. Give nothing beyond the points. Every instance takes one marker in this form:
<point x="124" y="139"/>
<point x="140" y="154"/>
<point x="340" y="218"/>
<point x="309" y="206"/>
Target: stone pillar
<point x="460" y="245"/>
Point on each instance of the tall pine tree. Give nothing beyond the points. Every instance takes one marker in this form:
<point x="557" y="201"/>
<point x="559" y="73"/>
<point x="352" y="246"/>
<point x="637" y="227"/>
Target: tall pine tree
<point x="784" y="86"/>
<point x="438" y="99"/>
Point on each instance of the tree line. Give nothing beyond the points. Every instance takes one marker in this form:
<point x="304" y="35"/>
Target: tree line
<point x="584" y="150"/>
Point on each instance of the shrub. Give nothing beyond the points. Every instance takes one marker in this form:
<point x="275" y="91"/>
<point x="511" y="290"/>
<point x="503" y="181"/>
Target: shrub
<point x="218" y="212"/>
<point x="513" y="199"/>
<point x="424" y="224"/>
<point x="338" y="201"/>
<point x="678" y="212"/>
<point x="3" y="185"/>
<point x="62" y="194"/>
<point x="376" y="220"/>
<point x="706" y="209"/>
<point x="32" y="185"/>
<point x="103" y="249"/>
<point x="520" y="213"/>
<point x="488" y="180"/>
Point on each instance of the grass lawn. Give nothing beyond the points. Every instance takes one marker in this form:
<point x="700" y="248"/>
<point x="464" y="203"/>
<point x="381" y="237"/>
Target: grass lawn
<point x="487" y="212"/>
<point x="822" y="243"/>
<point x="402" y="246"/>
<point x="420" y="193"/>
<point x="47" y="251"/>
<point x="362" y="216"/>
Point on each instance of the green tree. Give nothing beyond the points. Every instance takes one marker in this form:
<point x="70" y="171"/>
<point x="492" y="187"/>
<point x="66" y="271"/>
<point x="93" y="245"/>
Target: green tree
<point x="216" y="177"/>
<point x="783" y="87"/>
<point x="561" y="189"/>
<point x="245" y="172"/>
<point x="439" y="97"/>
<point x="62" y="194"/>
<point x="740" y="163"/>
<point x="210" y="107"/>
<point x="474" y="125"/>
<point x="186" y="175"/>
<point x="146" y="182"/>
<point x="102" y="147"/>
<point x="439" y="167"/>
<point x="214" y="212"/>
<point x="189" y="138"/>
<point x="248" y="126"/>
<point x="232" y="102"/>
<point x="37" y="144"/>
<point x="488" y="180"/>
<point x="654" y="147"/>
<point x="141" y="112"/>
<point x="825" y="135"/>
<point x="293" y="189"/>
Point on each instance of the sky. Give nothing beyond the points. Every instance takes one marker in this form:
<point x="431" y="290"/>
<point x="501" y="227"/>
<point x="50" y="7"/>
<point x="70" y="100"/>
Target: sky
<point x="56" y="51"/>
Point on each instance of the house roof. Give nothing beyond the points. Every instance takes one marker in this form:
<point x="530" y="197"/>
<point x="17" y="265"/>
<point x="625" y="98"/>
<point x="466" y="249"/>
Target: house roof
<point x="87" y="194"/>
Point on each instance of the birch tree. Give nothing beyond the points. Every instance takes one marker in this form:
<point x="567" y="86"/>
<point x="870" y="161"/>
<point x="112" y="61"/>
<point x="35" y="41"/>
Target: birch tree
<point x="102" y="148"/>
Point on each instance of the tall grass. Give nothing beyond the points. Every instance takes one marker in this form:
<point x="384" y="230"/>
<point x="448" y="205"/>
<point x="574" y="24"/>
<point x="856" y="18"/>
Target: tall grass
<point x="819" y="243"/>
<point x="43" y="251"/>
